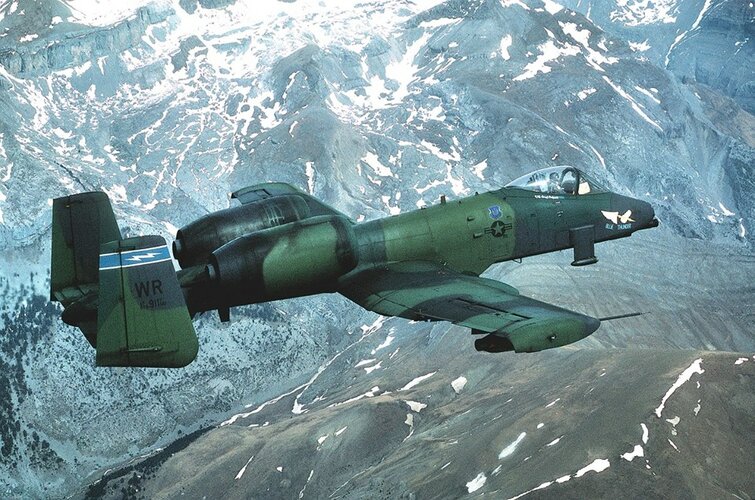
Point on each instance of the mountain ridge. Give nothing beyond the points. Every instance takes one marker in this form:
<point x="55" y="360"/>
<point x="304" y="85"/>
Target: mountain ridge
<point x="376" y="110"/>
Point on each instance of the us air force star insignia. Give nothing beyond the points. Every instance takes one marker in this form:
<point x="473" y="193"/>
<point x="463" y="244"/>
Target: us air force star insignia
<point x="498" y="228"/>
<point x="616" y="218"/>
<point x="495" y="212"/>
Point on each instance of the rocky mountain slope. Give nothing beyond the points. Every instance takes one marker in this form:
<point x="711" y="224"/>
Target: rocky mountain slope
<point x="701" y="40"/>
<point x="377" y="109"/>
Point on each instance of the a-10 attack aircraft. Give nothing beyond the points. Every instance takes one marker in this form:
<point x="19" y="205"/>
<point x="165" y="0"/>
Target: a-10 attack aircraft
<point x="424" y="265"/>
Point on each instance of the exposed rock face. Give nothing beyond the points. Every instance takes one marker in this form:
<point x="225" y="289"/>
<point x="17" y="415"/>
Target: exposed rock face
<point x="708" y="41"/>
<point x="717" y="58"/>
<point x="376" y="109"/>
<point x="579" y="423"/>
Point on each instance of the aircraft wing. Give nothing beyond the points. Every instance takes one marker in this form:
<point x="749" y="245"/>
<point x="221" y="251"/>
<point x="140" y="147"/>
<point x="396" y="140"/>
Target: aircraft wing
<point x="259" y="192"/>
<point x="426" y="291"/>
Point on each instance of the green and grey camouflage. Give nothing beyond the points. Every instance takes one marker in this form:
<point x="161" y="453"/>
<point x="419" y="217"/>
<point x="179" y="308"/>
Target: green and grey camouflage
<point x="423" y="265"/>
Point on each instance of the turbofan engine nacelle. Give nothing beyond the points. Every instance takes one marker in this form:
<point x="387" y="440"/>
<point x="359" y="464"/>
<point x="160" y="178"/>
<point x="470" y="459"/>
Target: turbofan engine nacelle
<point x="196" y="241"/>
<point x="302" y="258"/>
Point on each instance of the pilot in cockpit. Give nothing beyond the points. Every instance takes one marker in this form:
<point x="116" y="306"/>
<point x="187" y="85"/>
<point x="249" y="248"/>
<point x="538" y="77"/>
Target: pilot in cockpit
<point x="554" y="183"/>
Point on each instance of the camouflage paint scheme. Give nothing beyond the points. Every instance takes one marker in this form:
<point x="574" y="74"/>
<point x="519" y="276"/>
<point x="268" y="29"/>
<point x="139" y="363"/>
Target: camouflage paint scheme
<point x="280" y="242"/>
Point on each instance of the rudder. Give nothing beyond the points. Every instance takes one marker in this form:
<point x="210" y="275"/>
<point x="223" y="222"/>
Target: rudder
<point x="80" y="224"/>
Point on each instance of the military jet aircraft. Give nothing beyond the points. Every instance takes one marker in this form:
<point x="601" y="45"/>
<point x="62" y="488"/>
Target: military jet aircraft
<point x="424" y="265"/>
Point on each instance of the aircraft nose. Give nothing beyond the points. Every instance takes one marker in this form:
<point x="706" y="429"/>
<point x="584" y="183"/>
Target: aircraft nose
<point x="638" y="213"/>
<point x="646" y="215"/>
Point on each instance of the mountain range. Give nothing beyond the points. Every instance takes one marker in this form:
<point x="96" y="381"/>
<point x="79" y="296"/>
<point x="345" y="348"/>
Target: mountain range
<point x="377" y="109"/>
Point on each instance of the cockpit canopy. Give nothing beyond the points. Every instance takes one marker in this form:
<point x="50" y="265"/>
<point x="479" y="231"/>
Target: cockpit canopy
<point x="557" y="180"/>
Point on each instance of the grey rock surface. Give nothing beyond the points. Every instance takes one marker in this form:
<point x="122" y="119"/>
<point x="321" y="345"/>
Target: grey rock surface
<point x="706" y="41"/>
<point x="376" y="109"/>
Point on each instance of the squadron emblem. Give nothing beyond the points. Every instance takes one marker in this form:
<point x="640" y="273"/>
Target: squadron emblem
<point x="495" y="212"/>
<point x="616" y="218"/>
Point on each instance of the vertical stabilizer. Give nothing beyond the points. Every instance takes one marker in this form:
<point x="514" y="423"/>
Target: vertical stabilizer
<point x="142" y="318"/>
<point x="80" y="224"/>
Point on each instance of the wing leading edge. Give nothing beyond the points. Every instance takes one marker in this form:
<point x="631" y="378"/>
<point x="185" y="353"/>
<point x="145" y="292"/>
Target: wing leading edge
<point x="426" y="291"/>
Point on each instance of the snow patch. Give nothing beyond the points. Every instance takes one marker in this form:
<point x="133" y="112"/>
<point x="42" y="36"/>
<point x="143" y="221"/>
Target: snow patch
<point x="243" y="469"/>
<point x="681" y="380"/>
<point x="458" y="384"/>
<point x="641" y="12"/>
<point x="509" y="3"/>
<point x="636" y="107"/>
<point x="371" y="159"/>
<point x="310" y="171"/>
<point x="409" y="419"/>
<point x="301" y="493"/>
<point x="649" y="94"/>
<point x="740" y="361"/>
<point x="582" y="94"/>
<point x="480" y="168"/>
<point x="416" y="406"/>
<point x="375" y="326"/>
<point x="694" y="26"/>
<point x="672" y="444"/>
<point x="581" y="36"/>
<point x="417" y="381"/>
<point x="725" y="211"/>
<point x="369" y="394"/>
<point x="388" y="340"/>
<point x="116" y="193"/>
<point x="552" y="7"/>
<point x="370" y="369"/>
<point x="554" y="442"/>
<point x="549" y="53"/>
<point x="598" y="465"/>
<point x="639" y="46"/>
<point x="636" y="452"/>
<point x="510" y="449"/>
<point x="403" y="71"/>
<point x="476" y="483"/>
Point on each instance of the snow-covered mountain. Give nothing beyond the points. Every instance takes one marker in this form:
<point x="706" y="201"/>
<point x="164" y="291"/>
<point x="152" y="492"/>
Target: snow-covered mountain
<point x="377" y="108"/>
<point x="710" y="42"/>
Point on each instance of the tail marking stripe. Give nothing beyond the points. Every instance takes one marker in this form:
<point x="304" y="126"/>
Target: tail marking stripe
<point x="132" y="258"/>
